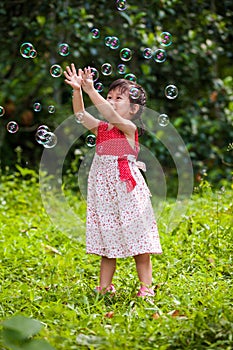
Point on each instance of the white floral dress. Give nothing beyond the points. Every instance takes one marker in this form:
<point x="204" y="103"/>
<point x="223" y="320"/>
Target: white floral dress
<point x="120" y="218"/>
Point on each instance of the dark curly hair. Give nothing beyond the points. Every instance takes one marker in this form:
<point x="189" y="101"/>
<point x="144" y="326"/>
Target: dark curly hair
<point x="125" y="85"/>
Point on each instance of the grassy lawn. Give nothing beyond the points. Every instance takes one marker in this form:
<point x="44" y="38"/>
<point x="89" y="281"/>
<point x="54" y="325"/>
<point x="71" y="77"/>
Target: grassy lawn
<point x="48" y="277"/>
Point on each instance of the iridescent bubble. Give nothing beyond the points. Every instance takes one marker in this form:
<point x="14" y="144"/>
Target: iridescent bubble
<point x="25" y="49"/>
<point x="160" y="56"/>
<point x="166" y="39"/>
<point x="12" y="127"/>
<point x="50" y="140"/>
<point x="37" y="107"/>
<point x="42" y="130"/>
<point x="45" y="127"/>
<point x="121" y="68"/>
<point x="106" y="69"/>
<point x="147" y="53"/>
<point x="64" y="49"/>
<point x="163" y="120"/>
<point x="79" y="117"/>
<point x="33" y="53"/>
<point x="2" y="111"/>
<point x="134" y="92"/>
<point x="51" y="109"/>
<point x="95" y="33"/>
<point x="107" y="40"/>
<point x="90" y="140"/>
<point x="121" y="5"/>
<point x="99" y="87"/>
<point x="131" y="77"/>
<point x="171" y="92"/>
<point x="95" y="74"/>
<point x="56" y="70"/>
<point x="125" y="54"/>
<point x="114" y="43"/>
<point x="39" y="139"/>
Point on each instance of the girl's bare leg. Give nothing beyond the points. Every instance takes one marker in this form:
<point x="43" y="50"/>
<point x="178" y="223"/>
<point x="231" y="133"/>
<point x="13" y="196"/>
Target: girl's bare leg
<point x="107" y="269"/>
<point x="144" y="269"/>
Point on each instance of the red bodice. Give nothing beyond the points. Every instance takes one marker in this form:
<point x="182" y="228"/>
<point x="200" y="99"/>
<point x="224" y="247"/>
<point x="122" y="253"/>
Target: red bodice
<point x="114" y="142"/>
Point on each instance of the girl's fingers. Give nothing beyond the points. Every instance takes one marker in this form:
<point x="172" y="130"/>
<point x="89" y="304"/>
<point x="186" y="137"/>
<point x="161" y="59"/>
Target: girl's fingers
<point x="73" y="68"/>
<point x="66" y="75"/>
<point x="67" y="82"/>
<point x="68" y="70"/>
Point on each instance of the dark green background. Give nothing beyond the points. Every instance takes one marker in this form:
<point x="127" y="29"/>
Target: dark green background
<point x="199" y="63"/>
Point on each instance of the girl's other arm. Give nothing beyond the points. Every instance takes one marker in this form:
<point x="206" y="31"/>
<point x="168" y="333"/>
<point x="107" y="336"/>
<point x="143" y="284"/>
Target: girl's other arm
<point x="75" y="81"/>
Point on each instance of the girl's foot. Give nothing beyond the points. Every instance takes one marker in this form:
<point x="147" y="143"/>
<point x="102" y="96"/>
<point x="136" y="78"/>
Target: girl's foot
<point x="145" y="291"/>
<point x="110" y="289"/>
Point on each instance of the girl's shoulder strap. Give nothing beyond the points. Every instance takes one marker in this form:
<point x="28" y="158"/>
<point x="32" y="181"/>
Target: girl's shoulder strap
<point x="136" y="141"/>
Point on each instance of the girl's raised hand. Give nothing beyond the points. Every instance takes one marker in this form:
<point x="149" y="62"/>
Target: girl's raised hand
<point x="87" y="83"/>
<point x="72" y="78"/>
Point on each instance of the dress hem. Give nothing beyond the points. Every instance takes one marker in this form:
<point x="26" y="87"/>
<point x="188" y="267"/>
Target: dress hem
<point x="123" y="256"/>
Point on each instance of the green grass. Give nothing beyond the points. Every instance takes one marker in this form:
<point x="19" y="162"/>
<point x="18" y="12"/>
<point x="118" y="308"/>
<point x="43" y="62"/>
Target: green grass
<point x="47" y="276"/>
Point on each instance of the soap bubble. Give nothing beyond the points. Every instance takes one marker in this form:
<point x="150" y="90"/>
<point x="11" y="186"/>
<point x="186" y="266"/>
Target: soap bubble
<point x="121" y="5"/>
<point x="44" y="127"/>
<point x="51" y="109"/>
<point x="166" y="39"/>
<point x="107" y="40"/>
<point x="95" y="74"/>
<point x="37" y="107"/>
<point x="106" y="69"/>
<point x="163" y="120"/>
<point x="99" y="87"/>
<point x="2" y="111"/>
<point x="125" y="54"/>
<point x="12" y="127"/>
<point x="25" y="50"/>
<point x="45" y="137"/>
<point x="114" y="43"/>
<point x="56" y="71"/>
<point x="64" y="49"/>
<point x="95" y="33"/>
<point x="121" y="68"/>
<point x="160" y="55"/>
<point x="79" y="117"/>
<point x="131" y="77"/>
<point x="171" y="92"/>
<point x="90" y="140"/>
<point x="134" y="92"/>
<point x="33" y="53"/>
<point x="42" y="130"/>
<point x="50" y="140"/>
<point x="147" y="53"/>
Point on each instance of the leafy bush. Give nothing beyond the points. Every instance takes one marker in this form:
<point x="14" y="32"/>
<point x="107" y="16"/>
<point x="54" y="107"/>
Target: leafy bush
<point x="198" y="62"/>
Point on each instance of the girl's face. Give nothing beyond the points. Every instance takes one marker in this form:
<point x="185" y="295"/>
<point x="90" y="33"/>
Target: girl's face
<point x="121" y="103"/>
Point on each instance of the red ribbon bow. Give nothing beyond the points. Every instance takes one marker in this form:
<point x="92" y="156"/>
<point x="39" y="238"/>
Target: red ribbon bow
<point x="125" y="173"/>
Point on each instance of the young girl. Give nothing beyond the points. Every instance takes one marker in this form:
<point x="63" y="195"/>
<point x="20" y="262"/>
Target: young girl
<point x="120" y="220"/>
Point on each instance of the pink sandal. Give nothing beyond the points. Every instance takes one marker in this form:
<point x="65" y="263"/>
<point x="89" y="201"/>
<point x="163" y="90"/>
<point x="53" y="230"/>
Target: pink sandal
<point x="145" y="291"/>
<point x="110" y="289"/>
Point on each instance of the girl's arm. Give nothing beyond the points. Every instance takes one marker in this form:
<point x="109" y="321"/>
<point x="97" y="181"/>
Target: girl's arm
<point x="75" y="81"/>
<point x="104" y="107"/>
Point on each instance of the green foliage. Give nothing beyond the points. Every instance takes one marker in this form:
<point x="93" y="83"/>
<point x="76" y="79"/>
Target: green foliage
<point x="199" y="63"/>
<point x="46" y="278"/>
<point x="18" y="331"/>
